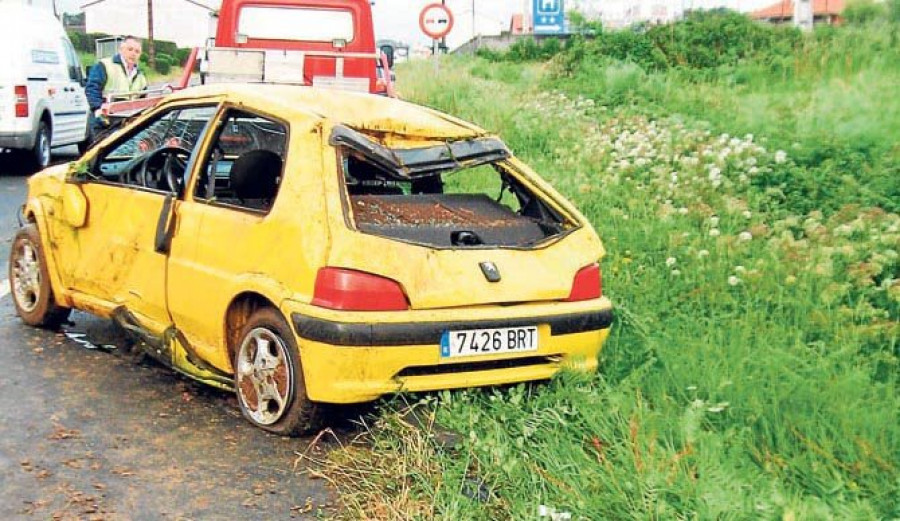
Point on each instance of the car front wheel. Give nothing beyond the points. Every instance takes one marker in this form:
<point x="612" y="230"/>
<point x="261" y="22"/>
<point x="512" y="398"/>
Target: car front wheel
<point x="29" y="282"/>
<point x="268" y="377"/>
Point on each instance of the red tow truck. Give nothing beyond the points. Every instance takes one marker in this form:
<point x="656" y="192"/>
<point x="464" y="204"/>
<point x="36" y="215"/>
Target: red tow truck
<point x="322" y="43"/>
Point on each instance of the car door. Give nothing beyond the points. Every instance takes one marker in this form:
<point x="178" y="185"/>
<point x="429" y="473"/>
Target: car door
<point x="71" y="123"/>
<point x="224" y="244"/>
<point x="114" y="259"/>
<point x="47" y="81"/>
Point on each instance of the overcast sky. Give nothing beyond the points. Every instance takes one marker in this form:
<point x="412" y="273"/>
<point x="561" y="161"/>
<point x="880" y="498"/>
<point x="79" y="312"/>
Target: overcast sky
<point x="399" y="19"/>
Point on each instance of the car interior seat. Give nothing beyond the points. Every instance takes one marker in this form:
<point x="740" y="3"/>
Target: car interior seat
<point x="367" y="179"/>
<point x="254" y="178"/>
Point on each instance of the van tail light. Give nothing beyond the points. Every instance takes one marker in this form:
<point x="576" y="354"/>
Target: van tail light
<point x="588" y="284"/>
<point x="21" y="100"/>
<point x="351" y="290"/>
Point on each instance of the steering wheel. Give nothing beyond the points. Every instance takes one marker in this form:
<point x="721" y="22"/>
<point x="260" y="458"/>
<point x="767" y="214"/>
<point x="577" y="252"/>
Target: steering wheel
<point x="163" y="169"/>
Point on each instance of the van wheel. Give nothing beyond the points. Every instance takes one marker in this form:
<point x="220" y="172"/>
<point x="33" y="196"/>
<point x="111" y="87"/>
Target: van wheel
<point x="29" y="282"/>
<point x="268" y="377"/>
<point x="41" y="150"/>
<point x="83" y="146"/>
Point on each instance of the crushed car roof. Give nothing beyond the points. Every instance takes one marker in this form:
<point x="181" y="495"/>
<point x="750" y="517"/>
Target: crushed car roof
<point x="356" y="110"/>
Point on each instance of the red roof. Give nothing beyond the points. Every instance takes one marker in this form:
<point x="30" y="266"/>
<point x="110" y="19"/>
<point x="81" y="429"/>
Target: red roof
<point x="785" y="9"/>
<point x="518" y="24"/>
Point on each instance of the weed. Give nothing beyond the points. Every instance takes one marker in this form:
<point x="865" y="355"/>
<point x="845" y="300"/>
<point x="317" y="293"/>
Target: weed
<point x="753" y="236"/>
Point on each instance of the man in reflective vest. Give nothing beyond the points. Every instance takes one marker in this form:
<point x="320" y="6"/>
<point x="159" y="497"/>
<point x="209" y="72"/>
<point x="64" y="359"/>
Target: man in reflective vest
<point x="119" y="74"/>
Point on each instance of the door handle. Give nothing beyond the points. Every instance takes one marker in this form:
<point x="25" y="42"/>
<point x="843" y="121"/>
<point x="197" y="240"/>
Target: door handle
<point x="165" y="227"/>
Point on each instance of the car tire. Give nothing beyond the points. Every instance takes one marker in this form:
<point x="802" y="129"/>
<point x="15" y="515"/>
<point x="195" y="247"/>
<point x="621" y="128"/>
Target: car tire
<point x="40" y="154"/>
<point x="83" y="146"/>
<point x="29" y="282"/>
<point x="268" y="377"/>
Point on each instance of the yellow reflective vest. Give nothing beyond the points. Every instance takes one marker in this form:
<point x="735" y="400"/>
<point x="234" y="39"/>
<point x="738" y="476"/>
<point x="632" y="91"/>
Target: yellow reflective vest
<point x="117" y="79"/>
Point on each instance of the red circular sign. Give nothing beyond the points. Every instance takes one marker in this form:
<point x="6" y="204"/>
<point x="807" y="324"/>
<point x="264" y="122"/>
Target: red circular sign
<point x="436" y="20"/>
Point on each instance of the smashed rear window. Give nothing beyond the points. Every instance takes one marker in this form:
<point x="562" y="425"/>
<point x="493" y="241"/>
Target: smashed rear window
<point x="459" y="194"/>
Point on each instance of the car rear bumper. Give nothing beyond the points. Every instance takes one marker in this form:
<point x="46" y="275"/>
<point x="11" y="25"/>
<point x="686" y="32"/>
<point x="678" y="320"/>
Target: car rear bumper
<point x="16" y="140"/>
<point x="416" y="333"/>
<point x="360" y="360"/>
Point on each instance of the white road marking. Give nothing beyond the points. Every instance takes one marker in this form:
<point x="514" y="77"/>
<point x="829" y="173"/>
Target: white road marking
<point x="4" y="288"/>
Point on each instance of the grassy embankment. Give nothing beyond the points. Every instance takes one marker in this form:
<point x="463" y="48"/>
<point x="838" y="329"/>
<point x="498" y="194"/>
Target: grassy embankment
<point x="749" y="212"/>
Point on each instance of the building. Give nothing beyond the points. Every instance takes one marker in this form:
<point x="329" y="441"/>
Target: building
<point x="185" y="22"/>
<point x="823" y="12"/>
<point x="74" y="22"/>
<point x="520" y="24"/>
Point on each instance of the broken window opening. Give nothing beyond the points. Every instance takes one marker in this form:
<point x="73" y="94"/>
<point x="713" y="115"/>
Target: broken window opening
<point x="465" y="202"/>
<point x="244" y="166"/>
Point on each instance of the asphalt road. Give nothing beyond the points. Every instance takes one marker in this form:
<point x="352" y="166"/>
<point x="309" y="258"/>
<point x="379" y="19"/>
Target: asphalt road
<point x="88" y="432"/>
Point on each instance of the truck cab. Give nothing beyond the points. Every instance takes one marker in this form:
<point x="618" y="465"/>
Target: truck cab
<point x="325" y="43"/>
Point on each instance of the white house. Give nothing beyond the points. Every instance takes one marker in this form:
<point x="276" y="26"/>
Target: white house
<point x="45" y="4"/>
<point x="185" y="22"/>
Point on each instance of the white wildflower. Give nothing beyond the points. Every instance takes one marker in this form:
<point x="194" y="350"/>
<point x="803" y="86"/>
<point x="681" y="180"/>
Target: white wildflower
<point x="714" y="232"/>
<point x="703" y="253"/>
<point x="719" y="407"/>
<point x="682" y="211"/>
<point x="747" y="214"/>
<point x="745" y="236"/>
<point x="740" y="269"/>
<point x="733" y="281"/>
<point x="714" y="221"/>
<point x="780" y="156"/>
<point x="671" y="261"/>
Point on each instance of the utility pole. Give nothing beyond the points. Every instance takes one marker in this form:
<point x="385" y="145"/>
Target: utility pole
<point x="151" y="50"/>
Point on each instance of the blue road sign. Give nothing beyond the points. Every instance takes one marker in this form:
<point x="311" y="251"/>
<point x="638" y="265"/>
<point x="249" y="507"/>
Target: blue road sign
<point x="549" y="17"/>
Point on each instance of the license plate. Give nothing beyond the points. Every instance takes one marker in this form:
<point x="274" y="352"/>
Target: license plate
<point x="482" y="342"/>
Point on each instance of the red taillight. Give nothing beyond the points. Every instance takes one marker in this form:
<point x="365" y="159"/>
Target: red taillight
<point x="351" y="290"/>
<point x="21" y="99"/>
<point x="588" y="283"/>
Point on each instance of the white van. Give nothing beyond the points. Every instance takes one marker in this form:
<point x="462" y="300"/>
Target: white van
<point x="42" y="100"/>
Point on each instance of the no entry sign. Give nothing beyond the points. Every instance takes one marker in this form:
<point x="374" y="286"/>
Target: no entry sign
<point x="436" y="20"/>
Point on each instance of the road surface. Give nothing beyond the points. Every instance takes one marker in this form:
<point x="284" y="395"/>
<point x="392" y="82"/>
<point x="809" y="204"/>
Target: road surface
<point x="87" y="432"/>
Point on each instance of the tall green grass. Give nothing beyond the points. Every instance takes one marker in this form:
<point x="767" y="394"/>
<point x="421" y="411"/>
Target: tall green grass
<point x="823" y="98"/>
<point x="752" y="372"/>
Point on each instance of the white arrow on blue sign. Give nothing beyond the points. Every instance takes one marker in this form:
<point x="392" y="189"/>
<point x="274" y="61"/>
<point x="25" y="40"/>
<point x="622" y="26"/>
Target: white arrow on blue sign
<point x="549" y="16"/>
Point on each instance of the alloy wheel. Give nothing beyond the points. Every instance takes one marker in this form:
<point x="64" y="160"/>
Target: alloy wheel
<point x="26" y="277"/>
<point x="263" y="376"/>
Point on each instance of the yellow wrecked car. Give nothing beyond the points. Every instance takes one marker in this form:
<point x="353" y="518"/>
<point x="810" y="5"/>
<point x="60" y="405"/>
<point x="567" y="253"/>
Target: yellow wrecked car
<point x="303" y="247"/>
